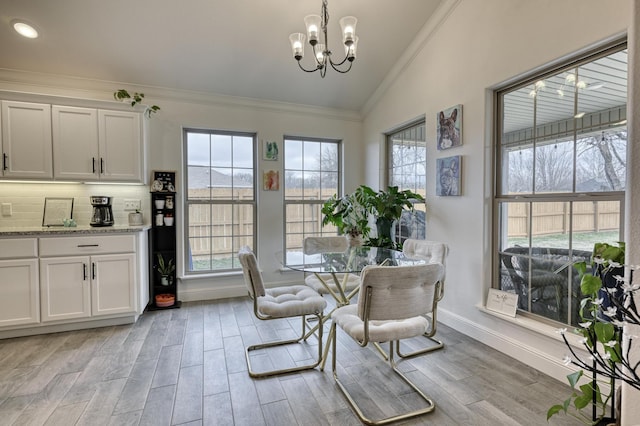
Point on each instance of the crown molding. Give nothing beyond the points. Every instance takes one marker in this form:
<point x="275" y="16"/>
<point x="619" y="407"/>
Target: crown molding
<point x="40" y="84"/>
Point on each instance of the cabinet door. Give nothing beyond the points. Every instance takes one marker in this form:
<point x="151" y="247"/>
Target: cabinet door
<point x="120" y="145"/>
<point x="20" y="300"/>
<point x="75" y="143"/>
<point x="113" y="283"/>
<point x="26" y="140"/>
<point x="65" y="288"/>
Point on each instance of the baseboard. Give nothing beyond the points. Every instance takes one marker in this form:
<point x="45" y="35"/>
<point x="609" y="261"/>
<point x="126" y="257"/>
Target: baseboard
<point x="70" y="326"/>
<point x="517" y="349"/>
<point x="193" y="295"/>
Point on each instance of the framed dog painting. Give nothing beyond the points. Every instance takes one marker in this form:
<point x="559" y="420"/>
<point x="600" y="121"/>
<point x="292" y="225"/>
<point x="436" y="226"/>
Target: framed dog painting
<point x="448" y="176"/>
<point x="449" y="127"/>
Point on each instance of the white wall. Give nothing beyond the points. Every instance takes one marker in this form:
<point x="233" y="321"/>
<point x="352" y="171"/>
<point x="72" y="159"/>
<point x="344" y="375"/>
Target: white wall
<point x="481" y="45"/>
<point x="270" y="121"/>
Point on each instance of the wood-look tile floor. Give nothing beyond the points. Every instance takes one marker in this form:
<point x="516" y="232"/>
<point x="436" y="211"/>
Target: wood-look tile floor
<point x="187" y="367"/>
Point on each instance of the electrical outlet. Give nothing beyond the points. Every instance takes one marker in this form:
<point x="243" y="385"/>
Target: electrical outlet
<point x="132" y="205"/>
<point x="6" y="209"/>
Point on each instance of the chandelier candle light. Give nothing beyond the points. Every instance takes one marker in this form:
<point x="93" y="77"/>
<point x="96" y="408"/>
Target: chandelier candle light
<point x="317" y="35"/>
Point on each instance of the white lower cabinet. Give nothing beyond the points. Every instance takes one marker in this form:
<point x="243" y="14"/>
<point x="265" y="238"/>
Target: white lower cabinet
<point x="19" y="304"/>
<point x="87" y="286"/>
<point x="19" y="282"/>
<point x="58" y="283"/>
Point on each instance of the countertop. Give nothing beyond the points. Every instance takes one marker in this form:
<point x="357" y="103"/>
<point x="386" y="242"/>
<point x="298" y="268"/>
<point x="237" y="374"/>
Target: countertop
<point x="38" y="231"/>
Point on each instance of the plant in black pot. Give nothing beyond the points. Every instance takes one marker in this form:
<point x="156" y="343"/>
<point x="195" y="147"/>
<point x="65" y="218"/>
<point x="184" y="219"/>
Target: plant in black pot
<point x="387" y="207"/>
<point x="607" y="307"/>
<point x="165" y="269"/>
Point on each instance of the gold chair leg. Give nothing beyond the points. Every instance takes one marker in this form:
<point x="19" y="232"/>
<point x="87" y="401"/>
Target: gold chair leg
<point x="282" y="343"/>
<point x="354" y="406"/>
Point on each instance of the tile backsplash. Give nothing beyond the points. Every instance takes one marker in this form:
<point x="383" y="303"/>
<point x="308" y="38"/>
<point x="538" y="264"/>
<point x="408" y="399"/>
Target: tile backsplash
<point x="27" y="201"/>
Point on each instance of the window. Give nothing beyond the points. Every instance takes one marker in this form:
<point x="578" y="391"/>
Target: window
<point x="311" y="176"/>
<point x="220" y="199"/>
<point x="560" y="178"/>
<point x="407" y="157"/>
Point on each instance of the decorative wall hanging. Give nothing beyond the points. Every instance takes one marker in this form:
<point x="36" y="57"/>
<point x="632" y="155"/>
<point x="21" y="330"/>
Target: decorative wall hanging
<point x="448" y="171"/>
<point x="449" y="127"/>
<point x="270" y="150"/>
<point x="271" y="180"/>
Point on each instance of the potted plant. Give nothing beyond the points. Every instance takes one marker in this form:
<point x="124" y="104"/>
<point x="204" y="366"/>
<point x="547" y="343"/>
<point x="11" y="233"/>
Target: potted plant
<point x="136" y="98"/>
<point x="165" y="269"/>
<point x="607" y="307"/>
<point x="387" y="207"/>
<point x="349" y="215"/>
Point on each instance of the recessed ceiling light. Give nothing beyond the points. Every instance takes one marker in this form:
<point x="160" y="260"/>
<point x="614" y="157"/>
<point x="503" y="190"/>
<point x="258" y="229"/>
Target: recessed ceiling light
<point x="579" y="115"/>
<point x="24" y="29"/>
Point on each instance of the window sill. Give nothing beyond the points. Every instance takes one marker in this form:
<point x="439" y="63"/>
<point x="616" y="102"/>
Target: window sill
<point x="210" y="275"/>
<point x="538" y="327"/>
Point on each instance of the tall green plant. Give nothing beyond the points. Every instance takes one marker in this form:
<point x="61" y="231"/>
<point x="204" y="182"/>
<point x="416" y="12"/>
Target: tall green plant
<point x="347" y="213"/>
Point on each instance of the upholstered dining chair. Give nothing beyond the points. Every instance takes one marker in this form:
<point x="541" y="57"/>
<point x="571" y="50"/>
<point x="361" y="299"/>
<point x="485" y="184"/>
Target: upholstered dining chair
<point x="431" y="252"/>
<point x="392" y="305"/>
<point x="280" y="302"/>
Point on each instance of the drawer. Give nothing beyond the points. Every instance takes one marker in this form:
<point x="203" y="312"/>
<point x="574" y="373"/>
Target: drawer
<point x="18" y="248"/>
<point x="88" y="245"/>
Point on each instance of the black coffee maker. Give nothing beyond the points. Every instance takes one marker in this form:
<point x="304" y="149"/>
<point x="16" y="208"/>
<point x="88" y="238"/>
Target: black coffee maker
<point x="102" y="213"/>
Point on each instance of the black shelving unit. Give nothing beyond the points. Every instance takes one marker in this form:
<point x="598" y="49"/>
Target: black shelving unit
<point x="162" y="243"/>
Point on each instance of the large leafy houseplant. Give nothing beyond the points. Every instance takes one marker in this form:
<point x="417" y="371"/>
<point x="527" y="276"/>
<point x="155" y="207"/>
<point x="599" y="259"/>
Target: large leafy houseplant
<point x="387" y="207"/>
<point x="607" y="307"/>
<point x="348" y="214"/>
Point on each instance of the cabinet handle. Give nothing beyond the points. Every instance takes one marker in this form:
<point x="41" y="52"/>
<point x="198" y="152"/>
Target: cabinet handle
<point x="84" y="272"/>
<point x="101" y="165"/>
<point x="88" y="245"/>
<point x="93" y="164"/>
<point x="93" y="270"/>
<point x="4" y="161"/>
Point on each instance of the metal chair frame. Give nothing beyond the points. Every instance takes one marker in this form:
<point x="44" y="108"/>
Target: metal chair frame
<point x="256" y="290"/>
<point x="367" y="293"/>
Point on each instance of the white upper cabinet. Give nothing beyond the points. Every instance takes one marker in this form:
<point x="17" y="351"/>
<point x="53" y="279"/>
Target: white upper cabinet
<point x="120" y="146"/>
<point x="75" y="143"/>
<point x="26" y="140"/>
<point x="92" y="145"/>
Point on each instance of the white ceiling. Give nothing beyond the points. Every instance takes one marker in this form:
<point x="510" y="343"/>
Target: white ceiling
<point x="229" y="47"/>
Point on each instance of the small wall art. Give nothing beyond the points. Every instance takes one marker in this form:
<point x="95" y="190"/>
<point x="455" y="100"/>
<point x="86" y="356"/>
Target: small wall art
<point x="270" y="150"/>
<point x="449" y="127"/>
<point x="448" y="175"/>
<point x="271" y="180"/>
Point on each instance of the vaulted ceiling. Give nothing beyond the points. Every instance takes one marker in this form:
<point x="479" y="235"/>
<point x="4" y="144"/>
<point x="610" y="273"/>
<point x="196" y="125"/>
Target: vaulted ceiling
<point x="228" y="47"/>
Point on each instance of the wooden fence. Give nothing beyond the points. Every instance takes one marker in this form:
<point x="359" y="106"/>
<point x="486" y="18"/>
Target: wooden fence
<point x="554" y="217"/>
<point x="213" y="228"/>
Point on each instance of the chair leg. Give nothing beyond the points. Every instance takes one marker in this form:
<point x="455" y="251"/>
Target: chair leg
<point x="354" y="406"/>
<point x="286" y="342"/>
<point x="429" y="335"/>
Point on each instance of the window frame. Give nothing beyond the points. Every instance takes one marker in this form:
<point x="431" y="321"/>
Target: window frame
<point x="211" y="202"/>
<point x="286" y="202"/>
<point x="389" y="135"/>
<point x="500" y="195"/>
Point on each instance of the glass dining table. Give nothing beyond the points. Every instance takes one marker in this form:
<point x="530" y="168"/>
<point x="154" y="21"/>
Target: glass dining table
<point x="337" y="266"/>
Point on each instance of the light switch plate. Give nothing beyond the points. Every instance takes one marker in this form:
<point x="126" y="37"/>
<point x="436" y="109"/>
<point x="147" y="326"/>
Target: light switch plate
<point x="7" y="209"/>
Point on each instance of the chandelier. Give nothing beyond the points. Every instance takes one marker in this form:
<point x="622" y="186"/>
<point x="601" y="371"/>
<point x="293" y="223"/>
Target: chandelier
<point x="317" y="35"/>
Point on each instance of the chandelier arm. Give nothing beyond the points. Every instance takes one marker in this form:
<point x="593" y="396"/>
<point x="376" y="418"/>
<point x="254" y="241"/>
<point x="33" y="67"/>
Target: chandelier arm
<point x="337" y="64"/>
<point x="306" y="70"/>
<point x="339" y="70"/>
